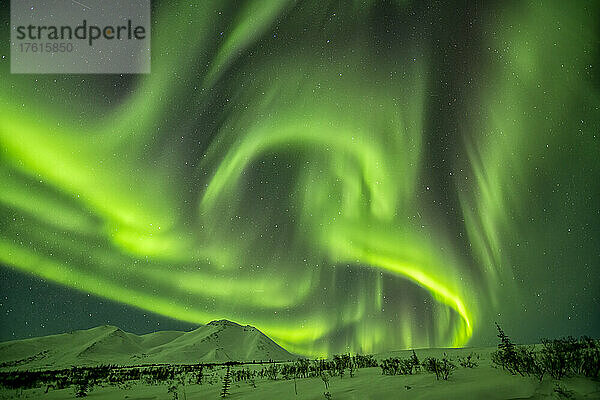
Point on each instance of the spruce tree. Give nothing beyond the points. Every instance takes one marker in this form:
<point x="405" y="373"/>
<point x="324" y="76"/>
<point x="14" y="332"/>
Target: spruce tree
<point x="226" y="383"/>
<point x="506" y="356"/>
<point x="415" y="361"/>
<point x="505" y="344"/>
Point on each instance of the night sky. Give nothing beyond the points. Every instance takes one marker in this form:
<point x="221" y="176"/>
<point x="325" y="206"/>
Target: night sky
<point x="343" y="175"/>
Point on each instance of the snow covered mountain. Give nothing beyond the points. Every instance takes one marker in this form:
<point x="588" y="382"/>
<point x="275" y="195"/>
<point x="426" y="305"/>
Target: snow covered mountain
<point x="217" y="341"/>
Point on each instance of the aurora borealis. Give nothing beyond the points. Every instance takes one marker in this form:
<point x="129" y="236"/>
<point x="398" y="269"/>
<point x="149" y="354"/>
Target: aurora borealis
<point x="345" y="176"/>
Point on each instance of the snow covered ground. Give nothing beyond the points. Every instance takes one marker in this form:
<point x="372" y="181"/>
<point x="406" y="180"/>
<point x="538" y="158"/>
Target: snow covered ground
<point x="481" y="382"/>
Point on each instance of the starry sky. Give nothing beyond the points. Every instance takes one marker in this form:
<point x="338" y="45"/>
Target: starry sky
<point x="343" y="175"/>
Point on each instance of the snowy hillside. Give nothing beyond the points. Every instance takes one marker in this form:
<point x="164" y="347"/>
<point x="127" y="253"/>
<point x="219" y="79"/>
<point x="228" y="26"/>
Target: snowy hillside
<point x="217" y="341"/>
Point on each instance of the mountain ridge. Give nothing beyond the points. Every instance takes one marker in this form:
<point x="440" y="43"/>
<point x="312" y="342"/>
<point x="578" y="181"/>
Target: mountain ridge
<point x="217" y="341"/>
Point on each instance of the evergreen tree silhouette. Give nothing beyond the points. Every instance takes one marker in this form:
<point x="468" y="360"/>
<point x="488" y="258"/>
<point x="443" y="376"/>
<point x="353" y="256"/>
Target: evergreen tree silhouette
<point x="226" y="383"/>
<point x="507" y="355"/>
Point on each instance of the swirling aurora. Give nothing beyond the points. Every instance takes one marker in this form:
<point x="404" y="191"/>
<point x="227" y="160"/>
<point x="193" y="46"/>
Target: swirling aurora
<point x="286" y="165"/>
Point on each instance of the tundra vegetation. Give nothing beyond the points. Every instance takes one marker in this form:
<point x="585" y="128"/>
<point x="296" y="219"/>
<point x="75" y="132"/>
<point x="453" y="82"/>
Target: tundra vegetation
<point x="552" y="359"/>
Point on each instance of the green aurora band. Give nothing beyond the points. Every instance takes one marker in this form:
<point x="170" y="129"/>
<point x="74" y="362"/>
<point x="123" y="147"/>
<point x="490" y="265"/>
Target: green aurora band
<point x="282" y="186"/>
